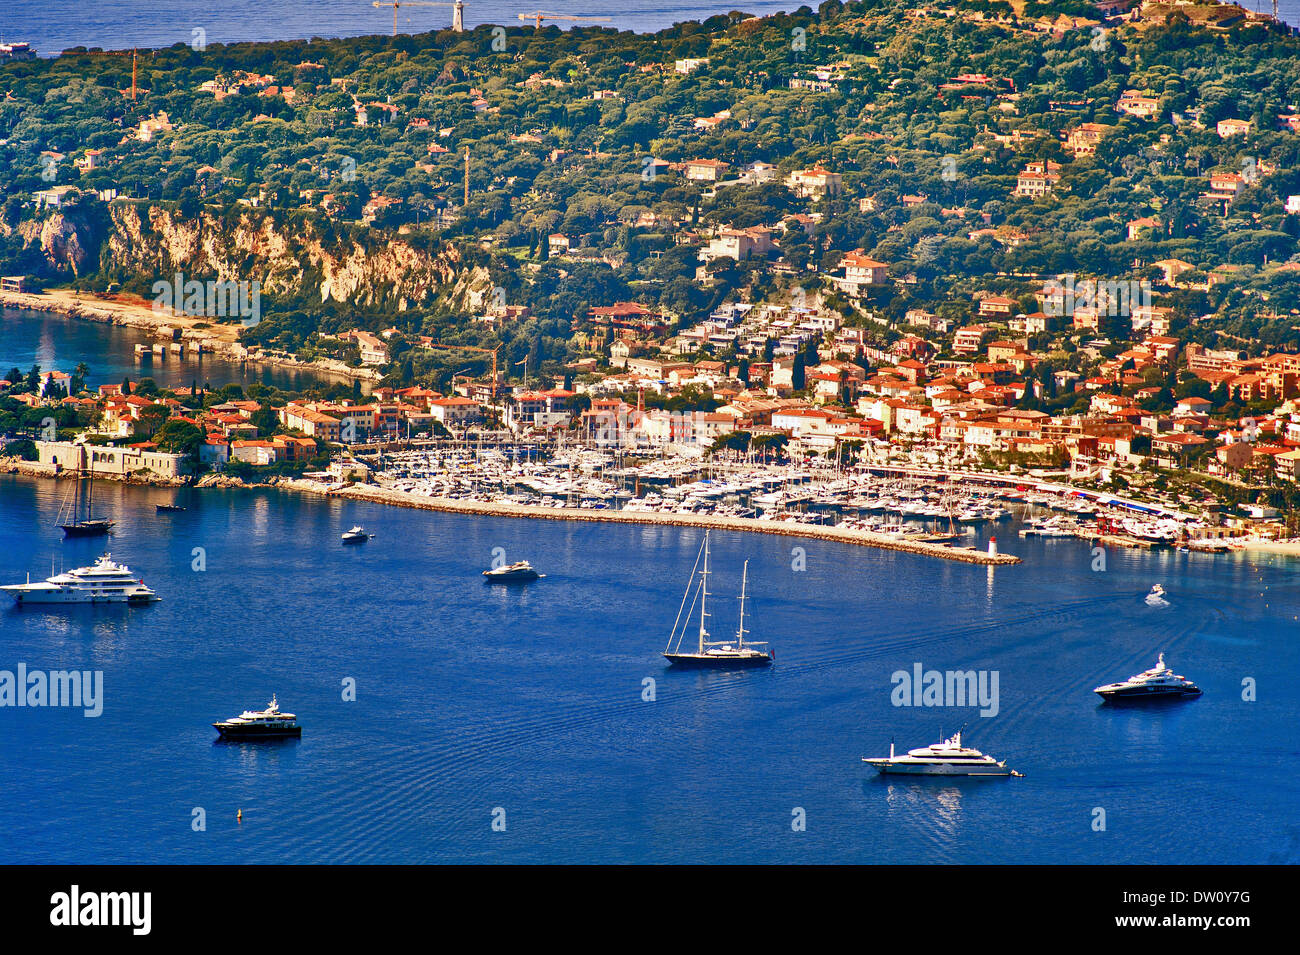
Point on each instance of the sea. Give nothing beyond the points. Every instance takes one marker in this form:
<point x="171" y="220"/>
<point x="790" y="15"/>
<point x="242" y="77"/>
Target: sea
<point x="54" y="25"/>
<point x="450" y="720"/>
<point x="58" y="343"/>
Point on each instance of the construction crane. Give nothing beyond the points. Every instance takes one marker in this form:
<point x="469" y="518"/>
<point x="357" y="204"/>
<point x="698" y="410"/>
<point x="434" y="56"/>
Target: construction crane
<point x="135" y="62"/>
<point x="457" y="11"/>
<point x="538" y="16"/>
<point x="486" y="351"/>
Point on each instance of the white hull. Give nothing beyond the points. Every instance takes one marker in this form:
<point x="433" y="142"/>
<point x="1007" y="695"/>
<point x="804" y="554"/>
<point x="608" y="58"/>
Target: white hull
<point x="74" y="597"/>
<point x="937" y="769"/>
<point x="103" y="583"/>
<point x="948" y="758"/>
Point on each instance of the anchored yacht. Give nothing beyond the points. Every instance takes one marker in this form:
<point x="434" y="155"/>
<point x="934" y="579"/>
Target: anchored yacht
<point x="520" y="570"/>
<point x="269" y="723"/>
<point x="357" y="535"/>
<point x="949" y="758"/>
<point x="715" y="654"/>
<point x="104" y="582"/>
<point x="1159" y="682"/>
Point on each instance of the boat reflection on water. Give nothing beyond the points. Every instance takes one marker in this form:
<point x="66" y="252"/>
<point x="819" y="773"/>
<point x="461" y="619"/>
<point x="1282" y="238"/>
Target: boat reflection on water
<point x="937" y="811"/>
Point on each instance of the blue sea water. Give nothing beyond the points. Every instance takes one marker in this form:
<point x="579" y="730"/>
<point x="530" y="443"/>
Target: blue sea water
<point x="54" y="25"/>
<point x="58" y="343"/>
<point x="472" y="698"/>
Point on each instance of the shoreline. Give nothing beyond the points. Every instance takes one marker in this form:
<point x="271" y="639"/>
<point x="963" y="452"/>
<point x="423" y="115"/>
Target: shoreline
<point x="380" y="495"/>
<point x="220" y="341"/>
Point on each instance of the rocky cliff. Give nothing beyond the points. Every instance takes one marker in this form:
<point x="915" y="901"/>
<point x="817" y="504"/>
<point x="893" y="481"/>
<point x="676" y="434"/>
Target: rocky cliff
<point x="297" y="259"/>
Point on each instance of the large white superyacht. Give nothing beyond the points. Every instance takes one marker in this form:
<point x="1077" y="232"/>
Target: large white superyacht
<point x="949" y="758"/>
<point x="105" y="581"/>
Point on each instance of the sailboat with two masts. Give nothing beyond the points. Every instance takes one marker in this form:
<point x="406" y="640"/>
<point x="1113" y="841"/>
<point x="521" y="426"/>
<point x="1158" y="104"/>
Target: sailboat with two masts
<point x="713" y="654"/>
<point x="91" y="526"/>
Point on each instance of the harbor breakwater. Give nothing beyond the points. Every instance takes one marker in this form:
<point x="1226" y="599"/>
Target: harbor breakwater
<point x="382" y="495"/>
<point x="840" y="535"/>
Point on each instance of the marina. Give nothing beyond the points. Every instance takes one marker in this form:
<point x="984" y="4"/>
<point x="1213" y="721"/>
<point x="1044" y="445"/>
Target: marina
<point x="911" y="504"/>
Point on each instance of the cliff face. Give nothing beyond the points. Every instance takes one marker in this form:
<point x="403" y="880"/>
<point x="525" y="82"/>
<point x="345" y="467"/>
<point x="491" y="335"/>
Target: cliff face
<point x="155" y="243"/>
<point x="382" y="271"/>
<point x="68" y="241"/>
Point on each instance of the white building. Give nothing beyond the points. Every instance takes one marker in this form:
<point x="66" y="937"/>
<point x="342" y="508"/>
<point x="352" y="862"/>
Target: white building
<point x="102" y="459"/>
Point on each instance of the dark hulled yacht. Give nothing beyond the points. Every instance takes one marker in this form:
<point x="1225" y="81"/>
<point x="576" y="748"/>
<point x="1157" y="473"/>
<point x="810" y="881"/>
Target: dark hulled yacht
<point x="1158" y="683"/>
<point x="269" y="723"/>
<point x="715" y="654"/>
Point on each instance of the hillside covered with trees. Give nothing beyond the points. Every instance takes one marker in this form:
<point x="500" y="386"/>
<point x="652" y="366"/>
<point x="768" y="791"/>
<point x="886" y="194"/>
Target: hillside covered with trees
<point x="926" y="114"/>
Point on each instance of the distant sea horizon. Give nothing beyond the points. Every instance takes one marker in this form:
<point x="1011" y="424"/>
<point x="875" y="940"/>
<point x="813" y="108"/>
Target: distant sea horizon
<point x="55" y="25"/>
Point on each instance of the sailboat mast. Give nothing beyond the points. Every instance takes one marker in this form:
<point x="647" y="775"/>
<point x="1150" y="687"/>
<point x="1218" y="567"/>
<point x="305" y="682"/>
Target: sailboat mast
<point x="704" y="590"/>
<point x="90" y="493"/>
<point x="740" y="633"/>
<point x="76" y="497"/>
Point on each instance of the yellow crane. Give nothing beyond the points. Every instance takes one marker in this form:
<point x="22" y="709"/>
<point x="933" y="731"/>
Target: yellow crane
<point x="487" y="351"/>
<point x="457" y="11"/>
<point x="537" y="16"/>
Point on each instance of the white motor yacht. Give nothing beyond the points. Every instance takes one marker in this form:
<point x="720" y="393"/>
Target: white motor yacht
<point x="949" y="758"/>
<point x="105" y="581"/>
<point x="520" y="570"/>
